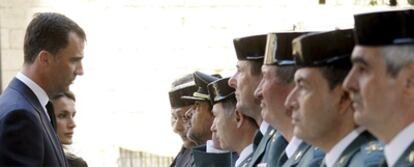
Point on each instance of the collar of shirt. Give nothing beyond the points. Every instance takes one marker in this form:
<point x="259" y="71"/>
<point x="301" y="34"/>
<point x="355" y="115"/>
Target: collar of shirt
<point x="244" y="154"/>
<point x="292" y="146"/>
<point x="263" y="127"/>
<point x="336" y="151"/>
<point x="211" y="149"/>
<point x="399" y="144"/>
<point x="37" y="90"/>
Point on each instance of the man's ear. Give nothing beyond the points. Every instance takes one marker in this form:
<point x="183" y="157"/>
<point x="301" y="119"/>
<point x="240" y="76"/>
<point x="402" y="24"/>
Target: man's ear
<point x="345" y="101"/>
<point x="408" y="78"/>
<point x="239" y="118"/>
<point x="44" y="57"/>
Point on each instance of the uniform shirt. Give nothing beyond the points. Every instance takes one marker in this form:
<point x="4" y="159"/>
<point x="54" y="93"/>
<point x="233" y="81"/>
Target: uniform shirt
<point x="211" y="149"/>
<point x="263" y="127"/>
<point x="394" y="150"/>
<point x="336" y="151"/>
<point x="244" y="154"/>
<point x="37" y="90"/>
<point x="292" y="146"/>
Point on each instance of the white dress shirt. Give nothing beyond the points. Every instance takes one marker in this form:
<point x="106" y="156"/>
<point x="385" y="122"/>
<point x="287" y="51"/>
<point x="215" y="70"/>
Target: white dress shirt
<point x="37" y="90"/>
<point x="332" y="156"/>
<point x="244" y="154"/>
<point x="394" y="150"/>
<point x="211" y="149"/>
<point x="263" y="127"/>
<point x="293" y="146"/>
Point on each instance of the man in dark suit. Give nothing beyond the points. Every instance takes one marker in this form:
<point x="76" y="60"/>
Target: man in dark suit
<point x="321" y="109"/>
<point x="53" y="50"/>
<point x="381" y="82"/>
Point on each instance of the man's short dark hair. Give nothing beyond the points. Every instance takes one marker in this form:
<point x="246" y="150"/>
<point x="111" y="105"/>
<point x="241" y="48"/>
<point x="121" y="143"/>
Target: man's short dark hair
<point x="67" y="94"/>
<point x="286" y="73"/>
<point x="50" y="32"/>
<point x="255" y="68"/>
<point x="335" y="74"/>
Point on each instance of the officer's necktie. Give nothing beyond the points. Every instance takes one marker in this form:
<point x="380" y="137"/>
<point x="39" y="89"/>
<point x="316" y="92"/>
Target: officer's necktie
<point x="283" y="159"/>
<point x="51" y="112"/>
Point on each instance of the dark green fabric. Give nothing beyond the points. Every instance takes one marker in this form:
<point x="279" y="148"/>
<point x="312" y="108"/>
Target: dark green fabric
<point x="407" y="158"/>
<point x="305" y="155"/>
<point x="365" y="151"/>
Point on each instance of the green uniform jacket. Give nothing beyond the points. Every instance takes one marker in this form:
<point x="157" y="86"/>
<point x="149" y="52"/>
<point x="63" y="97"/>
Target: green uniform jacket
<point x="305" y="155"/>
<point x="364" y="151"/>
<point x="270" y="147"/>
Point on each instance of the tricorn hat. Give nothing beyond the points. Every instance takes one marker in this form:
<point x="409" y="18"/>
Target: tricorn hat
<point x="201" y="80"/>
<point x="324" y="48"/>
<point x="250" y="48"/>
<point x="385" y="28"/>
<point x="279" y="48"/>
<point x="220" y="90"/>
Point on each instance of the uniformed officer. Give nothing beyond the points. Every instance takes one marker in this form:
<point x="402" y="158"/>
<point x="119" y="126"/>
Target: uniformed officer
<point x="207" y="152"/>
<point x="201" y="116"/>
<point x="322" y="113"/>
<point x="278" y="71"/>
<point x="234" y="130"/>
<point x="250" y="53"/>
<point x="183" y="86"/>
<point x="381" y="82"/>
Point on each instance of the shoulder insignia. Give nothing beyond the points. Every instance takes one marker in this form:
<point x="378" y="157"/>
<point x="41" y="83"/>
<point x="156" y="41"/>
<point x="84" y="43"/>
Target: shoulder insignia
<point x="298" y="155"/>
<point x="373" y="146"/>
<point x="410" y="157"/>
<point x="271" y="132"/>
<point x="342" y="160"/>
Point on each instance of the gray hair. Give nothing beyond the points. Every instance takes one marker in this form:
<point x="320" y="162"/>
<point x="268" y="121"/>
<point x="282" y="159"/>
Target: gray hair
<point x="396" y="57"/>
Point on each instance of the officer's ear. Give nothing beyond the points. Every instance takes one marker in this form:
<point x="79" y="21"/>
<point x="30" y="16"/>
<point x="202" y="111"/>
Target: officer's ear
<point x="345" y="101"/>
<point x="407" y="74"/>
<point x="239" y="118"/>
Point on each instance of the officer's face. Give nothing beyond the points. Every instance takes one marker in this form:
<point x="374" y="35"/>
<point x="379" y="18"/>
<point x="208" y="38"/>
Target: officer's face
<point x="315" y="106"/>
<point x="245" y="83"/>
<point x="374" y="93"/>
<point x="273" y="92"/>
<point x="224" y="126"/>
<point x="180" y="124"/>
<point x="200" y="124"/>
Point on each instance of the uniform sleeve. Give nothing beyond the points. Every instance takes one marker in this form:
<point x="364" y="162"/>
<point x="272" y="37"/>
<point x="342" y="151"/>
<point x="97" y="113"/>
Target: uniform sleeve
<point x="21" y="142"/>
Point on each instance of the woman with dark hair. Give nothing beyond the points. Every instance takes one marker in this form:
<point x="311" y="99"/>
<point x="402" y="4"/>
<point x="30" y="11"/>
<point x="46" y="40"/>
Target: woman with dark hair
<point x="64" y="109"/>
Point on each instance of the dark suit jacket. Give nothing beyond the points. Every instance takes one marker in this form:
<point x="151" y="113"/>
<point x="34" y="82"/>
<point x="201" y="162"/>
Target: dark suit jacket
<point x="27" y="137"/>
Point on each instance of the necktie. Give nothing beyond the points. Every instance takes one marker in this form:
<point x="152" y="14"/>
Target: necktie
<point x="51" y="113"/>
<point x="283" y="159"/>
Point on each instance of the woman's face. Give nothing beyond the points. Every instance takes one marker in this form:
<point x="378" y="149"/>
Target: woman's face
<point x="65" y="112"/>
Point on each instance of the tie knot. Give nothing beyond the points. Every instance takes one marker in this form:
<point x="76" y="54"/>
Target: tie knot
<point x="51" y="113"/>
